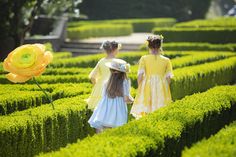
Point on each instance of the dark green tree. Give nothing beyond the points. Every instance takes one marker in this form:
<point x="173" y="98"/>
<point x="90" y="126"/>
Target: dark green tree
<point x="180" y="9"/>
<point x="16" y="19"/>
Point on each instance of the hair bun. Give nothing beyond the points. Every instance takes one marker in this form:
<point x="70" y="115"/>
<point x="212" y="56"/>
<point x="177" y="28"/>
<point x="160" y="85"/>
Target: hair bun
<point x="155" y="41"/>
<point x="110" y="45"/>
<point x="106" y="45"/>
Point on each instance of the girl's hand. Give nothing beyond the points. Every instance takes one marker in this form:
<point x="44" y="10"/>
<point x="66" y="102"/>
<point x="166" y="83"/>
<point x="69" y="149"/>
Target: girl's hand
<point x="93" y="80"/>
<point x="168" y="79"/>
<point x="129" y="99"/>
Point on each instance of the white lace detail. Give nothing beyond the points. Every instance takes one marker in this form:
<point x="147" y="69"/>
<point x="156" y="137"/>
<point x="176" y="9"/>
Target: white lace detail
<point x="141" y="71"/>
<point x="169" y="74"/>
<point x="158" y="86"/>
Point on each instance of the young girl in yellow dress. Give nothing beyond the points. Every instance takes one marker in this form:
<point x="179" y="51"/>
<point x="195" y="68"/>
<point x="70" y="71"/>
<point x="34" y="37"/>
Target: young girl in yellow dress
<point x="101" y="72"/>
<point x="154" y="75"/>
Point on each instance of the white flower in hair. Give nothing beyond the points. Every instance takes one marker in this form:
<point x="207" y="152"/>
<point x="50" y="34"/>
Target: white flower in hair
<point x="127" y="67"/>
<point x="103" y="43"/>
<point x="119" y="46"/>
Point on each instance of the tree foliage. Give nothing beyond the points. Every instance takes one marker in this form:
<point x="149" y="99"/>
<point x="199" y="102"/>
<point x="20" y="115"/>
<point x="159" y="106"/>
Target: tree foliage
<point x="179" y="9"/>
<point x="16" y="19"/>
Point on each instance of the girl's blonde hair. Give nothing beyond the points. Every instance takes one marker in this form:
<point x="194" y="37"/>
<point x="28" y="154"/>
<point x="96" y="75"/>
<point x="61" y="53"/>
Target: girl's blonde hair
<point x="115" y="84"/>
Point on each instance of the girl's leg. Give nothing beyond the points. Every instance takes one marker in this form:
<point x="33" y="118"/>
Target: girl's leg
<point x="99" y="130"/>
<point x="105" y="127"/>
<point x="102" y="129"/>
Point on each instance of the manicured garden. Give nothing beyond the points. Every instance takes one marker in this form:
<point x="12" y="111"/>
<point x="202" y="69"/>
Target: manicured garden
<point x="203" y="90"/>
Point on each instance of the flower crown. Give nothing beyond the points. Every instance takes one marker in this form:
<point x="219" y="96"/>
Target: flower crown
<point x="155" y="37"/>
<point x="152" y="38"/>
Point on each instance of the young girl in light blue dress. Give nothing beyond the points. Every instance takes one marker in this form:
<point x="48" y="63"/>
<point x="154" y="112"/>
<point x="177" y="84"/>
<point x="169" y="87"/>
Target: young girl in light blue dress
<point x="111" y="110"/>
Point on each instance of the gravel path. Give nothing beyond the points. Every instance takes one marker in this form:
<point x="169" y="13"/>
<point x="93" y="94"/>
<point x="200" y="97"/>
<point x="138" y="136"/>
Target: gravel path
<point x="135" y="38"/>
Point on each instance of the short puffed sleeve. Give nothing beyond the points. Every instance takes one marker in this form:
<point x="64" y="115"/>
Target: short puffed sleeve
<point x="141" y="67"/>
<point x="169" y="70"/>
<point x="95" y="72"/>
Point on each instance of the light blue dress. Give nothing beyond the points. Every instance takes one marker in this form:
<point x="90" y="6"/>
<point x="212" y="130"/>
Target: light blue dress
<point x="111" y="112"/>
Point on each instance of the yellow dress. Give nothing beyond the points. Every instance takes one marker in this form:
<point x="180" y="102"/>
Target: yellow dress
<point x="101" y="73"/>
<point x="153" y="91"/>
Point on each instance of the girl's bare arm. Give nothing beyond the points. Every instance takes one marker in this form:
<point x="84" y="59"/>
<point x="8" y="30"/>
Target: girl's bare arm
<point x="168" y="80"/>
<point x="140" y="78"/>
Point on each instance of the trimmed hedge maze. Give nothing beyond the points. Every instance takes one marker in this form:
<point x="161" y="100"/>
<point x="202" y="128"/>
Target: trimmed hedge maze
<point x="17" y="98"/>
<point x="29" y="125"/>
<point x="211" y="35"/>
<point x="228" y="22"/>
<point x="221" y="144"/>
<point x="101" y="28"/>
<point x="166" y="131"/>
<point x="29" y="132"/>
<point x="99" y="31"/>
<point x="217" y="31"/>
<point x="187" y="46"/>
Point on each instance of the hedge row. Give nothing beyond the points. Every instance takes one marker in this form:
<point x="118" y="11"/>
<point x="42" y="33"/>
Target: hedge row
<point x="211" y="35"/>
<point x="164" y="132"/>
<point x="191" y="58"/>
<point x="59" y="90"/>
<point x="50" y="79"/>
<point x="67" y="71"/>
<point x="103" y="30"/>
<point x="20" y="100"/>
<point x="139" y="25"/>
<point x="62" y="55"/>
<point x="21" y="97"/>
<point x="187" y="80"/>
<point x="43" y="129"/>
<point x="194" y="58"/>
<point x="192" y="79"/>
<point x="91" y="60"/>
<point x="75" y="65"/>
<point x="221" y="144"/>
<point x="182" y="46"/>
<point x="218" y="22"/>
<point x="71" y="65"/>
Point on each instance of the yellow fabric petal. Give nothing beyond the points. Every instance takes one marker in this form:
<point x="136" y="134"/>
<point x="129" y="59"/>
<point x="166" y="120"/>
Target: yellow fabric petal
<point x="41" y="46"/>
<point x="25" y="72"/>
<point x="27" y="61"/>
<point x="48" y="57"/>
<point x="17" y="78"/>
<point x="39" y="72"/>
<point x="24" y="56"/>
<point x="5" y="67"/>
<point x="42" y="59"/>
